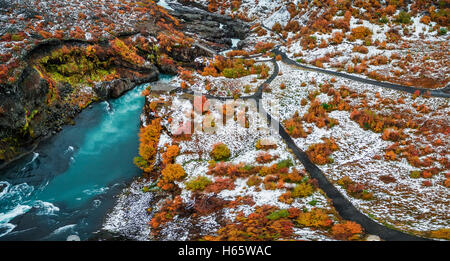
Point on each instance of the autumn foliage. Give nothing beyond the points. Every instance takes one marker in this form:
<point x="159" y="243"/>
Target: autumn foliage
<point x="167" y="212"/>
<point x="219" y="185"/>
<point x="128" y="53"/>
<point x="347" y="231"/>
<point x="171" y="173"/>
<point x="317" y="113"/>
<point x="317" y="218"/>
<point x="356" y="190"/>
<point x="220" y="151"/>
<point x="256" y="227"/>
<point x="368" y="119"/>
<point x="170" y="154"/>
<point x="361" y="32"/>
<point x="148" y="138"/>
<point x="234" y="68"/>
<point x="294" y="126"/>
<point x="319" y="153"/>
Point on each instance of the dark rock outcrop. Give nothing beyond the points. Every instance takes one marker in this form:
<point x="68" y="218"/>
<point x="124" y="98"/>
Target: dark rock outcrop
<point x="116" y="88"/>
<point x="215" y="28"/>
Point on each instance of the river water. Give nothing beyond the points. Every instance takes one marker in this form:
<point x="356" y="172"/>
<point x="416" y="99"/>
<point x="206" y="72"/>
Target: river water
<point x="65" y="188"/>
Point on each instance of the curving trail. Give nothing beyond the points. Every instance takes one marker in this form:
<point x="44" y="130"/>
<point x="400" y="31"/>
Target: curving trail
<point x="442" y="93"/>
<point x="342" y="205"/>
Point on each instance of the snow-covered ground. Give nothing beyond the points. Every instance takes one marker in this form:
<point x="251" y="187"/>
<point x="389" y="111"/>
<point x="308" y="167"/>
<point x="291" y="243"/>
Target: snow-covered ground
<point x="405" y="203"/>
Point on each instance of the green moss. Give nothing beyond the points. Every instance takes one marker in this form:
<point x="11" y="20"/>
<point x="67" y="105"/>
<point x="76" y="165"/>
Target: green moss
<point x="28" y="117"/>
<point x="76" y="66"/>
<point x="198" y="184"/>
<point x="150" y="188"/>
<point x="313" y="202"/>
<point x="284" y="164"/>
<point x="384" y="20"/>
<point x="220" y="152"/>
<point x="403" y="18"/>
<point x="282" y="213"/>
<point x="254" y="181"/>
<point x="17" y="37"/>
<point x="415" y="174"/>
<point x="302" y="190"/>
<point x="8" y="148"/>
<point x="140" y="162"/>
<point x="326" y="106"/>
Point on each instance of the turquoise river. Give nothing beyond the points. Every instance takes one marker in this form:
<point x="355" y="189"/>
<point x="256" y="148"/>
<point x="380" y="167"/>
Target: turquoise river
<point x="65" y="188"/>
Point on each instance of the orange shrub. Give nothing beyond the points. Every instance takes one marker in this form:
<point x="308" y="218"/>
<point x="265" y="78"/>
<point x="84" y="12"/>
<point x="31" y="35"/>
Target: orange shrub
<point x="360" y="49"/>
<point x="220" y="184"/>
<point x="378" y="60"/>
<point x="308" y="42"/>
<point x="356" y="190"/>
<point x="443" y="233"/>
<point x="77" y="33"/>
<point x="277" y="27"/>
<point x="292" y="26"/>
<point x="184" y="85"/>
<point x="316" y="218"/>
<point x="186" y="75"/>
<point x="171" y="173"/>
<point x="390" y="9"/>
<point x="317" y="114"/>
<point x="3" y="72"/>
<point x="368" y="119"/>
<point x="447" y="183"/>
<point x="425" y="19"/>
<point x="319" y="153"/>
<point x="264" y="157"/>
<point x="361" y="32"/>
<point x="233" y="53"/>
<point x="294" y="126"/>
<point x="170" y="154"/>
<point x="323" y="44"/>
<point x="232" y="170"/>
<point x="337" y="38"/>
<point x="392" y="134"/>
<point x="347" y="231"/>
<point x="167" y="213"/>
<point x="262" y="47"/>
<point x="294" y="176"/>
<point x="148" y="138"/>
<point x="342" y="24"/>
